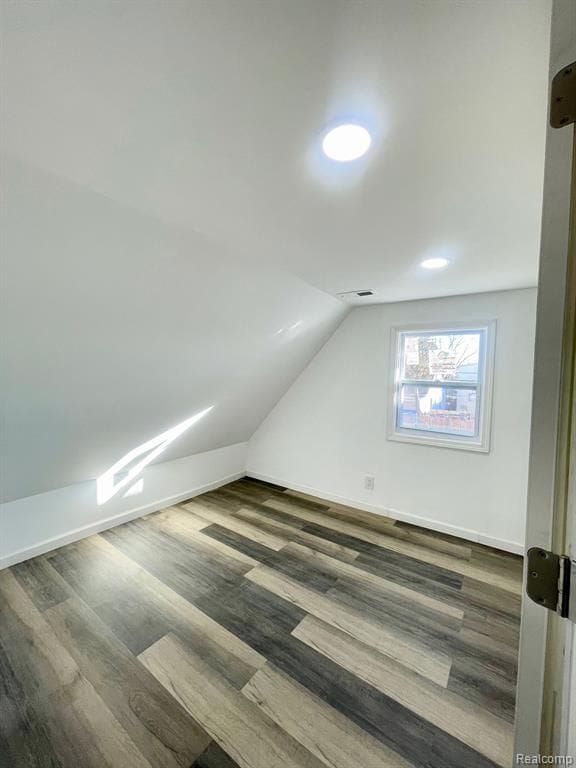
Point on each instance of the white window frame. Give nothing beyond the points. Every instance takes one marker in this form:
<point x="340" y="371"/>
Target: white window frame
<point x="485" y="387"/>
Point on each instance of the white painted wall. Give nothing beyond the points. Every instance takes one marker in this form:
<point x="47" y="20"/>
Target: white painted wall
<point x="119" y="326"/>
<point x="45" y="521"/>
<point x="329" y="430"/>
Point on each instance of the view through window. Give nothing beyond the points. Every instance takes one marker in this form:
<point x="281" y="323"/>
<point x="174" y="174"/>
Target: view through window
<point x="439" y="383"/>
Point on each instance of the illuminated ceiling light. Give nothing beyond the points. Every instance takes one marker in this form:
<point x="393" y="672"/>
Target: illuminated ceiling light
<point x="346" y="142"/>
<point x="438" y="263"/>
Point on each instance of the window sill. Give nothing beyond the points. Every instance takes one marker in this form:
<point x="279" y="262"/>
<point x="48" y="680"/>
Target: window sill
<point x="440" y="442"/>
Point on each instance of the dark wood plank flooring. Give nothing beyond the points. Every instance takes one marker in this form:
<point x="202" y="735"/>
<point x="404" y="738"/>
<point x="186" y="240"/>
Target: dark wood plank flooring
<point x="260" y="628"/>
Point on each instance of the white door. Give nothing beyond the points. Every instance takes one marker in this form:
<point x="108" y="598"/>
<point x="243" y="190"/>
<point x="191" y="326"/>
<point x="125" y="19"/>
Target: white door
<point x="544" y="701"/>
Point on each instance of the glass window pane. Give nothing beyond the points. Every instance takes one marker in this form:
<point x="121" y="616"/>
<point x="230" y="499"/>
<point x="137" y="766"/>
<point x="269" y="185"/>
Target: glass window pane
<point x="448" y="410"/>
<point x="440" y="357"/>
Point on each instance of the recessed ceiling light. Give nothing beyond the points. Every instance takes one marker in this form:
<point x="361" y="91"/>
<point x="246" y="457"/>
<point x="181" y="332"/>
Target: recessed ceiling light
<point x="346" y="142"/>
<point x="437" y="263"/>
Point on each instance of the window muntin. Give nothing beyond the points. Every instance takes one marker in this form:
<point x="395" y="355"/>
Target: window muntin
<point x="440" y="386"/>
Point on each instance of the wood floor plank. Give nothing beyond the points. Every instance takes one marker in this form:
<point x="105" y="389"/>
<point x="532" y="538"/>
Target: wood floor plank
<point x="455" y="548"/>
<point x="179" y="612"/>
<point x="493" y="626"/>
<point x="497" y="647"/>
<point x="236" y="724"/>
<point x="243" y="502"/>
<point x="184" y="524"/>
<point x="260" y="492"/>
<point x="345" y="512"/>
<point x="401" y="647"/>
<point x="156" y="724"/>
<point x="25" y="739"/>
<point x="39" y="581"/>
<point x="476" y="683"/>
<point x="427" y="536"/>
<point x="365" y="578"/>
<point x="195" y="533"/>
<point x="503" y="580"/>
<point x="436" y="583"/>
<point x="498" y="561"/>
<point x="310" y="573"/>
<point x="189" y="568"/>
<point x="376" y="522"/>
<point x="494" y="659"/>
<point x="498" y="657"/>
<point x="95" y="579"/>
<point x="147" y="609"/>
<point x="220" y="500"/>
<point x="265" y="483"/>
<point x="343" y="534"/>
<point x="252" y="549"/>
<point x="322" y="730"/>
<point x="178" y="522"/>
<point x="224" y="549"/>
<point x="493" y="614"/>
<point x="432" y="630"/>
<point x="281" y="560"/>
<point x="238" y="526"/>
<point x="491" y="603"/>
<point x="71" y="712"/>
<point x="469" y="723"/>
<point x="261" y="499"/>
<point x="233" y="498"/>
<point x="294" y="533"/>
<point x="248" y="613"/>
<point x="269" y="520"/>
<point x="214" y="757"/>
<point x="254" y="615"/>
<point x="110" y="589"/>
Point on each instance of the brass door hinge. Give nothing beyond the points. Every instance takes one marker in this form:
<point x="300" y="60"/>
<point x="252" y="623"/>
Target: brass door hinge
<point x="563" y="97"/>
<point x="551" y="581"/>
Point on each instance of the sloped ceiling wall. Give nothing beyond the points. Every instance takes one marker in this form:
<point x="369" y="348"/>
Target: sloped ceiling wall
<point x="172" y="236"/>
<point x="118" y="327"/>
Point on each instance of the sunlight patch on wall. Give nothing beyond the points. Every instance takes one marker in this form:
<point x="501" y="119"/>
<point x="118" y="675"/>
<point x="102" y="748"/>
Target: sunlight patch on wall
<point x="135" y="489"/>
<point x="106" y="487"/>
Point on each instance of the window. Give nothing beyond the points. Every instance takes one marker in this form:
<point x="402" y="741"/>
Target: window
<point x="442" y="386"/>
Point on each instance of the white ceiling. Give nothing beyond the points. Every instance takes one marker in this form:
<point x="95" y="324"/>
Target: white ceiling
<point x="173" y="237"/>
<point x="209" y="114"/>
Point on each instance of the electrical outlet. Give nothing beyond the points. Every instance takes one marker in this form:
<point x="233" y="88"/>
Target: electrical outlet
<point x="369" y="482"/>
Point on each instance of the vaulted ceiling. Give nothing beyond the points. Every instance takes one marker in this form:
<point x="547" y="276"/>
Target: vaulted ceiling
<point x="174" y="237"/>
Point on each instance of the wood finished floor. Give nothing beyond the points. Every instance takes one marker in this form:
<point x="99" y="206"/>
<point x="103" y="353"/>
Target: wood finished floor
<point x="257" y="627"/>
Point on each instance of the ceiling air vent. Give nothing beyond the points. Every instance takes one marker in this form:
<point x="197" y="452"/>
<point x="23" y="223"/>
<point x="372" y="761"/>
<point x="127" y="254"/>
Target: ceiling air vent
<point x="355" y="296"/>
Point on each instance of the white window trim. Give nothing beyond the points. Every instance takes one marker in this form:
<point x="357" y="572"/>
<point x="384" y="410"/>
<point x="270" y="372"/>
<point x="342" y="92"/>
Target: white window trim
<point x="485" y="387"/>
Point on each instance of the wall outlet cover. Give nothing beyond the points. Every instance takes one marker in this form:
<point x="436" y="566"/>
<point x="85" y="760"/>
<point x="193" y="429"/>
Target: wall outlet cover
<point x="369" y="482"/>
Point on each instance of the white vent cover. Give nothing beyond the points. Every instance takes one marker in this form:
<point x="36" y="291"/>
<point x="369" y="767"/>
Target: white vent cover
<point x="360" y="296"/>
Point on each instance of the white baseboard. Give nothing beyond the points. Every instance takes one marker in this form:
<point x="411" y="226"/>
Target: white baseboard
<point x="453" y="530"/>
<point x="110" y="522"/>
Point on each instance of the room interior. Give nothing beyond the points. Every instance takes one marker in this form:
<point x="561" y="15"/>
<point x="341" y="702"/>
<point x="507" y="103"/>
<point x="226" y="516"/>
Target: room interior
<point x="269" y="290"/>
